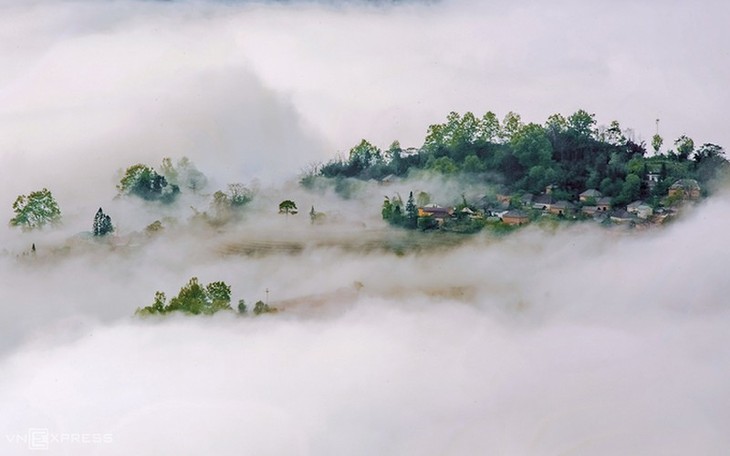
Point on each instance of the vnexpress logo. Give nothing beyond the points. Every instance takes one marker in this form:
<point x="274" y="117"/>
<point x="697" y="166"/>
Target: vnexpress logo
<point x="44" y="439"/>
<point x="38" y="439"/>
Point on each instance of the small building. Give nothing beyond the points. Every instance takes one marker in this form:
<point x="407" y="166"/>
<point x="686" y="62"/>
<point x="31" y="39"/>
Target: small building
<point x="622" y="216"/>
<point x="562" y="208"/>
<point x="640" y="209"/>
<point x="685" y="189"/>
<point x="435" y="211"/>
<point x="589" y="210"/>
<point x="590" y="193"/>
<point x="515" y="217"/>
<point x="604" y="204"/>
<point x="543" y="202"/>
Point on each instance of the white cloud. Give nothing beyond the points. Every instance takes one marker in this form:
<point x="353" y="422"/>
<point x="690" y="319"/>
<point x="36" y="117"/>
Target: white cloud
<point x="580" y="341"/>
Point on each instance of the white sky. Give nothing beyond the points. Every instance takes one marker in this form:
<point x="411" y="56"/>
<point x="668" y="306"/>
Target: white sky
<point x="269" y="88"/>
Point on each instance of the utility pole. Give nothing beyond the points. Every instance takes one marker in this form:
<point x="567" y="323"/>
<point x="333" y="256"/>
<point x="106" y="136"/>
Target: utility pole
<point x="267" y="296"/>
<point x="657" y="126"/>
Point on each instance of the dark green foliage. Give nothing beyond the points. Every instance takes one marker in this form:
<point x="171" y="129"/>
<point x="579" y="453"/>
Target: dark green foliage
<point x="102" y="224"/>
<point x="260" y="308"/>
<point x="35" y="210"/>
<point x="570" y="152"/>
<point x="193" y="298"/>
<point x="411" y="212"/>
<point x="242" y="306"/>
<point x="287" y="207"/>
<point x="427" y="223"/>
<point x="144" y="182"/>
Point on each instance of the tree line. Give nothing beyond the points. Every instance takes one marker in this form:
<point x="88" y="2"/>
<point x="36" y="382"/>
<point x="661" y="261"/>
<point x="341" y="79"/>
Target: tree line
<point x="571" y="153"/>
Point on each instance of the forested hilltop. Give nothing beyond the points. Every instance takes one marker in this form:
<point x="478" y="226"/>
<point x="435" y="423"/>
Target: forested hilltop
<point x="568" y="154"/>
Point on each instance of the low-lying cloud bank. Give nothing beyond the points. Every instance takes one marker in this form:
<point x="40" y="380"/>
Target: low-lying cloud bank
<point x="580" y="341"/>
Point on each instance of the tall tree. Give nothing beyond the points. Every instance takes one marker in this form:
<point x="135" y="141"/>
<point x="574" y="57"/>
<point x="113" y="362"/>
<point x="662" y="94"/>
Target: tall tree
<point x="489" y="127"/>
<point x="363" y="156"/>
<point x="411" y="212"/>
<point x="35" y="210"/>
<point x="102" y="224"/>
<point x="511" y="124"/>
<point x="582" y="123"/>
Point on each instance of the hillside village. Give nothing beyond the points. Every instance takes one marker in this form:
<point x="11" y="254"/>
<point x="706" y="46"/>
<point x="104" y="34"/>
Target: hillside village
<point x="590" y="205"/>
<point x="568" y="168"/>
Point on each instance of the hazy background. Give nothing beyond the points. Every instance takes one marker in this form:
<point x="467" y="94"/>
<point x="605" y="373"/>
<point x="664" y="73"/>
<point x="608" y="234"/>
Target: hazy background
<point x="580" y="341"/>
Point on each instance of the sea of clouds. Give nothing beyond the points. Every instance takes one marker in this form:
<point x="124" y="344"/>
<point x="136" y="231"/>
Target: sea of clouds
<point x="578" y="340"/>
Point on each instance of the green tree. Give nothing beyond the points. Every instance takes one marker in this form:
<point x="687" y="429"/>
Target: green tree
<point x="228" y="205"/>
<point x="489" y="127"/>
<point x="685" y="146"/>
<point x="144" y="182"/>
<point x="35" y="210"/>
<point x="363" y="156"/>
<point x="582" y="123"/>
<point x="102" y="224"/>
<point x="656" y="143"/>
<point x="472" y="164"/>
<point x="444" y="165"/>
<point x="242" y="306"/>
<point x="185" y="174"/>
<point x="614" y="135"/>
<point x="261" y="308"/>
<point x="287" y="207"/>
<point x="411" y="212"/>
<point x="630" y="190"/>
<point x="387" y="210"/>
<point x="511" y="124"/>
<point x="531" y="146"/>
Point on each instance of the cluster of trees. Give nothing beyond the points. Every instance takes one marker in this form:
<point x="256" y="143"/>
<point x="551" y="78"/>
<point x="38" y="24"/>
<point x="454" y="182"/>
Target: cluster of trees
<point x="193" y="298"/>
<point x="571" y="153"/>
<point x="197" y="299"/>
<point x="39" y="208"/>
<point x="102" y="224"/>
<point x="145" y="182"/>
<point x="396" y="214"/>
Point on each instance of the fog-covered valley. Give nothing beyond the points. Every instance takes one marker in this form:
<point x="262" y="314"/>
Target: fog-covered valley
<point x="553" y="339"/>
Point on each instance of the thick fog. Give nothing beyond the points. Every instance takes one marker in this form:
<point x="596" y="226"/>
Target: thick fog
<point x="578" y="340"/>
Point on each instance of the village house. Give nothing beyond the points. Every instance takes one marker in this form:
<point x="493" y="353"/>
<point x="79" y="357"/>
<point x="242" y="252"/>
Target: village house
<point x="437" y="212"/>
<point x="685" y="189"/>
<point x="590" y="193"/>
<point x="640" y="209"/>
<point x="543" y="202"/>
<point x="604" y="204"/>
<point x="562" y="208"/>
<point x="515" y="217"/>
<point x="622" y="216"/>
